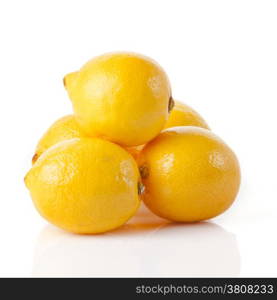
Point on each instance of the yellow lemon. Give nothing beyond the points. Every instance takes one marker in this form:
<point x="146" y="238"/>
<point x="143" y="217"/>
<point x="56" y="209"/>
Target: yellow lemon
<point x="121" y="97"/>
<point x="184" y="115"/>
<point x="85" y="185"/>
<point x="189" y="174"/>
<point x="63" y="129"/>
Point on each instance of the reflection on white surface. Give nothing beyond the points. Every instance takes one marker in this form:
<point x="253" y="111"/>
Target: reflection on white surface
<point x="147" y="246"/>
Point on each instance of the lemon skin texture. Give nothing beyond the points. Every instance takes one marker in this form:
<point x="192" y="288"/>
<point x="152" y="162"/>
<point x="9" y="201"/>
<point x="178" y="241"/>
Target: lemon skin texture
<point x="121" y="97"/>
<point x="63" y="129"/>
<point x="184" y="115"/>
<point x="180" y="115"/>
<point x="189" y="174"/>
<point x="134" y="151"/>
<point x="85" y="185"/>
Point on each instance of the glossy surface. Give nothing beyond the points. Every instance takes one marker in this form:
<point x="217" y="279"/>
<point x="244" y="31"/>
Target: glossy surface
<point x="122" y="97"/>
<point x="85" y="185"/>
<point x="184" y="115"/>
<point x="146" y="246"/>
<point x="63" y="129"/>
<point x="189" y="174"/>
<point x="181" y="115"/>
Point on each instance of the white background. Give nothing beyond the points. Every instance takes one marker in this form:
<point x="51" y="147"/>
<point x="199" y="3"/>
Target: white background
<point x="221" y="58"/>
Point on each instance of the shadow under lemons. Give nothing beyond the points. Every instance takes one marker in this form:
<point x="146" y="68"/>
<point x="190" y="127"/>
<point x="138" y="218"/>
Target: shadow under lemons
<point x="146" y="246"/>
<point x="142" y="223"/>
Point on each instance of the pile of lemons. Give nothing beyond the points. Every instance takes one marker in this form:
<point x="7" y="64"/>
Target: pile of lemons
<point x="129" y="140"/>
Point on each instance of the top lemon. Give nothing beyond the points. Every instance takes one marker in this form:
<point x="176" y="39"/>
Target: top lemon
<point x="122" y="97"/>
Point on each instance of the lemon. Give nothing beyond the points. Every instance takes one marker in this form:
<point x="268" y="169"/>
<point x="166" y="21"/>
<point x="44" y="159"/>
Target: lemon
<point x="184" y="115"/>
<point x="85" y="185"/>
<point x="122" y="97"/>
<point x="189" y="174"/>
<point x="63" y="129"/>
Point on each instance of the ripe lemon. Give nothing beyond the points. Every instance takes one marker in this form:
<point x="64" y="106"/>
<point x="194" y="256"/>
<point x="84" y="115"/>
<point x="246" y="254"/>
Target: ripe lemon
<point x="184" y="115"/>
<point x="189" y="174"/>
<point x="85" y="185"/>
<point x="121" y="97"/>
<point x="63" y="129"/>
